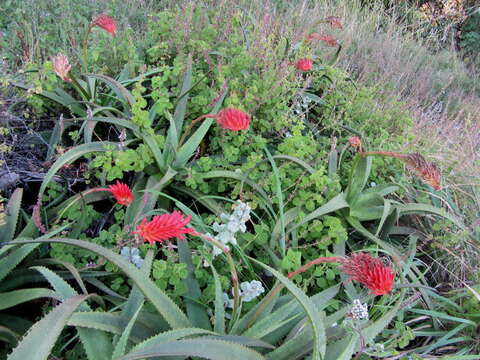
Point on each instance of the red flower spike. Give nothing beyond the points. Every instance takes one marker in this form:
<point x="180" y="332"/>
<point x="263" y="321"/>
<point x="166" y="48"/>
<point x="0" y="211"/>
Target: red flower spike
<point x="334" y="22"/>
<point x="164" y="227"/>
<point x="304" y="64"/>
<point x="233" y="119"/>
<point x="329" y="40"/>
<point x="121" y="193"/>
<point x="369" y="271"/>
<point x="106" y="23"/>
<point x="313" y="36"/>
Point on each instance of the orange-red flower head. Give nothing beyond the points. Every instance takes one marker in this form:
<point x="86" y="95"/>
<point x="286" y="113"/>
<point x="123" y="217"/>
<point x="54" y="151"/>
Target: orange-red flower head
<point x="329" y="40"/>
<point x="106" y="23"/>
<point x="313" y="36"/>
<point x="164" y="227"/>
<point x="233" y="119"/>
<point x="121" y="193"/>
<point x="61" y="67"/>
<point x="369" y="271"/>
<point x="334" y="22"/>
<point x="355" y="142"/>
<point x="325" y="38"/>
<point x="304" y="64"/>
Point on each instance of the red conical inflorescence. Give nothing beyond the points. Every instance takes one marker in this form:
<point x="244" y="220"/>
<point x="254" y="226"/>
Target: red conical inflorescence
<point x="121" y="192"/>
<point x="369" y="271"/>
<point x="361" y="267"/>
<point x="304" y="64"/>
<point x="106" y="23"/>
<point x="233" y="119"/>
<point x="164" y="227"/>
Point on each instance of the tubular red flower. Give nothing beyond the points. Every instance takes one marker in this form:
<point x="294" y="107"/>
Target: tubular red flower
<point x="325" y="38"/>
<point x="329" y="40"/>
<point x="233" y="119"/>
<point x="61" y="67"/>
<point x="313" y="36"/>
<point x="121" y="192"/>
<point x="164" y="227"/>
<point x="106" y="23"/>
<point x="304" y="64"/>
<point x="369" y="271"/>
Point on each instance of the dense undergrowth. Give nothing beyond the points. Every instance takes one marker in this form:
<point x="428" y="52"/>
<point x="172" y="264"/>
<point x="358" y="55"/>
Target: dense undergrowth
<point x="326" y="168"/>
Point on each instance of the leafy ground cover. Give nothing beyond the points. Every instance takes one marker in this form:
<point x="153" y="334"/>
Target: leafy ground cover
<point x="204" y="178"/>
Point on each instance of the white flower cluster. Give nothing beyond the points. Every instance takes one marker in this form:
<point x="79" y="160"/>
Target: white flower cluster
<point x="132" y="255"/>
<point x="359" y="311"/>
<point x="248" y="292"/>
<point x="231" y="224"/>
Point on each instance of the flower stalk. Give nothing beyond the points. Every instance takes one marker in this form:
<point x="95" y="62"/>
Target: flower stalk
<point x="233" y="271"/>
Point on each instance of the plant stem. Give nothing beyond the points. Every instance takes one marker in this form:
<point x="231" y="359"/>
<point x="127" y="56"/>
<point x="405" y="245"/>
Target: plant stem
<point x="320" y="260"/>
<point x="384" y="153"/>
<point x="233" y="271"/>
<point x="190" y="126"/>
<point x="85" y="47"/>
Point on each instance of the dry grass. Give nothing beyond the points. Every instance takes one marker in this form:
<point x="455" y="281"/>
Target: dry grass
<point x="440" y="93"/>
<point x="438" y="90"/>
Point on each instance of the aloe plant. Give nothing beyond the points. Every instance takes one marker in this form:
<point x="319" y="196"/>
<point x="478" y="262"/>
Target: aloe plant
<point x="275" y="332"/>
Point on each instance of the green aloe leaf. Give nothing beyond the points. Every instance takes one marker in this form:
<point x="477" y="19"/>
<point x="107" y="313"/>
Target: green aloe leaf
<point x="296" y="160"/>
<point x="334" y="204"/>
<point x="358" y="177"/>
<point x="316" y="320"/>
<point x="279" y="194"/>
<point x="9" y="262"/>
<point x="117" y="88"/>
<point x="112" y="120"/>
<point x="113" y="323"/>
<point x="41" y="338"/>
<point x="7" y="231"/>
<point x="203" y="348"/>
<point x="372" y="329"/>
<point x="187" y="150"/>
<point x="136" y="297"/>
<point x="425" y="208"/>
<point x="157" y="152"/>
<point x="273" y="321"/>
<point x="164" y="305"/>
<point x="342" y="349"/>
<point x="181" y="108"/>
<point x="123" y="341"/>
<point x="9" y="336"/>
<point x="15" y="297"/>
<point x="219" y="325"/>
<point x="72" y="155"/>
<point x="289" y="216"/>
<point x="169" y="336"/>
<point x="73" y="270"/>
<point x="97" y="343"/>
<point x="196" y="312"/>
